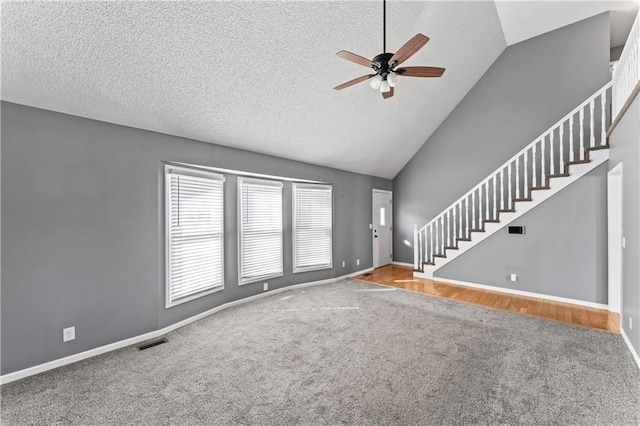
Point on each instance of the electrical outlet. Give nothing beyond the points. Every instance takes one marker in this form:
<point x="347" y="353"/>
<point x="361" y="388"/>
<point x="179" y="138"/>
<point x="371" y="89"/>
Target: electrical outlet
<point x="630" y="323"/>
<point x="344" y="263"/>
<point x="265" y="286"/>
<point x="371" y="226"/>
<point x="624" y="242"/>
<point x="514" y="278"/>
<point x="68" y="334"/>
<point x="358" y="262"/>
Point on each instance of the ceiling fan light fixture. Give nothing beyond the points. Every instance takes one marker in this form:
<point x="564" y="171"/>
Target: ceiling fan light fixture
<point x="385" y="86"/>
<point x="375" y="82"/>
<point x="392" y="78"/>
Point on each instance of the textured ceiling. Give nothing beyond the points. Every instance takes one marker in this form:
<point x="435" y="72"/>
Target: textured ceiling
<point x="251" y="75"/>
<point x="522" y="20"/>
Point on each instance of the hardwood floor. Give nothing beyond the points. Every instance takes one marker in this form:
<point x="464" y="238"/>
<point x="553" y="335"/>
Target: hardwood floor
<point x="402" y="277"/>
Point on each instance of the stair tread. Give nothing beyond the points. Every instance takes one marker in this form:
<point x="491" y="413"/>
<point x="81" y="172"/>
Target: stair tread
<point x="585" y="161"/>
<point x="596" y="148"/>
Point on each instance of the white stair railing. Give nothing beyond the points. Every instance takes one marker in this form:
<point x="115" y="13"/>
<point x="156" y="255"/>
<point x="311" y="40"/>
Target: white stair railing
<point x="529" y="169"/>
<point x="626" y="73"/>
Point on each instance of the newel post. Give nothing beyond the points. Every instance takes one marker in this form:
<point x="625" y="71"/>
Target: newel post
<point x="416" y="247"/>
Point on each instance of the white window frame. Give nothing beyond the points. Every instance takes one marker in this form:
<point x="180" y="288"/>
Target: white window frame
<point x="172" y="169"/>
<point x="294" y="187"/>
<point x="241" y="180"/>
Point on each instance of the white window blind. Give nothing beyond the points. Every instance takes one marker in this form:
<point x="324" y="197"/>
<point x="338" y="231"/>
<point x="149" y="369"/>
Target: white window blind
<point x="312" y="227"/>
<point x="194" y="218"/>
<point x="260" y="206"/>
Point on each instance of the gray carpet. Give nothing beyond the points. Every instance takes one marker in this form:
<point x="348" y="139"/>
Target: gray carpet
<point x="388" y="357"/>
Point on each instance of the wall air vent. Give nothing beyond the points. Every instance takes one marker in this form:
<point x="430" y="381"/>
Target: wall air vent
<point x="516" y="230"/>
<point x="152" y="344"/>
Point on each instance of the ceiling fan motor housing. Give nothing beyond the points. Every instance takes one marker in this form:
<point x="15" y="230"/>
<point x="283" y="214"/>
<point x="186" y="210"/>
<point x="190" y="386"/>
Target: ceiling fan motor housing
<point x="383" y="59"/>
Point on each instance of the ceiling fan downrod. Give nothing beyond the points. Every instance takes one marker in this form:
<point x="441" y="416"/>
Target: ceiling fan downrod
<point x="384" y="26"/>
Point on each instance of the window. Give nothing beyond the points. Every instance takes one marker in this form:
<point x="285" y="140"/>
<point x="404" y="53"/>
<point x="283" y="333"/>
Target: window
<point x="194" y="219"/>
<point x="312" y="227"/>
<point x="260" y="229"/>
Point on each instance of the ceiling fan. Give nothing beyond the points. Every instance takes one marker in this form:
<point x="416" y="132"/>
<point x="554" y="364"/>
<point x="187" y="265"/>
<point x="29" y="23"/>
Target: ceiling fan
<point x="385" y="65"/>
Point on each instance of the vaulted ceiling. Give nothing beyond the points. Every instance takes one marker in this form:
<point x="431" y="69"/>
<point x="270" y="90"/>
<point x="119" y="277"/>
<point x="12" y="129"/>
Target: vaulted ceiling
<point x="251" y="75"/>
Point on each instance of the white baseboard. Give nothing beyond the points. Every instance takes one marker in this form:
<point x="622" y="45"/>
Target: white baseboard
<point x="628" y="342"/>
<point x="403" y="264"/>
<point x="523" y="293"/>
<point x="41" y="368"/>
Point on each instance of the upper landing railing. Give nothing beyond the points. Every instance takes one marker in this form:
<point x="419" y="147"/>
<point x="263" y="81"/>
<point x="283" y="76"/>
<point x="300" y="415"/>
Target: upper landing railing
<point x="626" y="75"/>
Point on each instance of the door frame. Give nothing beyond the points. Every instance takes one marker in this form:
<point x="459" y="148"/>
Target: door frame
<point x="373" y="209"/>
<point x="615" y="233"/>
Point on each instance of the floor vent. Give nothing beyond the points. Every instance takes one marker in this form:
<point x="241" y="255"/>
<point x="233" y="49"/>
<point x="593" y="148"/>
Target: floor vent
<point x="152" y="344"/>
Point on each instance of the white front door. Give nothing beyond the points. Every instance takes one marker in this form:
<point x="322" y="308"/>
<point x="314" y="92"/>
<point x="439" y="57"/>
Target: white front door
<point x="382" y="228"/>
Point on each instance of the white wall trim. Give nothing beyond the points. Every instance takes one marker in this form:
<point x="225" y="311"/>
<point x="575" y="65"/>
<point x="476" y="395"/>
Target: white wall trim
<point x="41" y="368"/>
<point x="403" y="264"/>
<point x="628" y="342"/>
<point x="524" y="293"/>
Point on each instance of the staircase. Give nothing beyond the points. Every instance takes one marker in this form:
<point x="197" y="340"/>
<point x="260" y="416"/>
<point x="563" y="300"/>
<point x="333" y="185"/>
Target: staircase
<point x="568" y="150"/>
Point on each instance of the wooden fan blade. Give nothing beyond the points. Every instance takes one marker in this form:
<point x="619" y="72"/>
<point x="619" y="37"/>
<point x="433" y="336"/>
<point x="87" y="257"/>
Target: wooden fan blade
<point x="420" y="71"/>
<point x="409" y="49"/>
<point x="355" y="58"/>
<point x="354" y="81"/>
<point x="388" y="94"/>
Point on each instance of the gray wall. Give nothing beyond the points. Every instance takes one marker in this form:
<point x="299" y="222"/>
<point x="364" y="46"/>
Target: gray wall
<point x="563" y="252"/>
<point x="82" y="239"/>
<point x="530" y="87"/>
<point x="625" y="148"/>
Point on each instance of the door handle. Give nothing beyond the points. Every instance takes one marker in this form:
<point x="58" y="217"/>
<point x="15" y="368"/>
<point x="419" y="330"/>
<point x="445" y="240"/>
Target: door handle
<point x="375" y="236"/>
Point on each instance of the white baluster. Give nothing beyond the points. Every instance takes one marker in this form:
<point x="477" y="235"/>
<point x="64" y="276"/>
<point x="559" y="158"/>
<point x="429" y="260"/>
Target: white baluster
<point x="603" y="118"/>
<point x="437" y="247"/>
<point x="432" y="243"/>
<point x="552" y="150"/>
<point x="572" y="155"/>
<point x="504" y="199"/>
<point x="526" y="174"/>
<point x="459" y="219"/>
<point x="480" y="206"/>
<point x="448" y="240"/>
<point x="495" y="196"/>
<point x="486" y="197"/>
<point x="518" y="177"/>
<point x="592" y="139"/>
<point x="534" y="161"/>
<point x="473" y="210"/>
<point x="543" y="169"/>
<point x="416" y="254"/>
<point x="467" y="224"/>
<point x="581" y="153"/>
<point x="510" y="192"/>
<point x="561" y="165"/>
